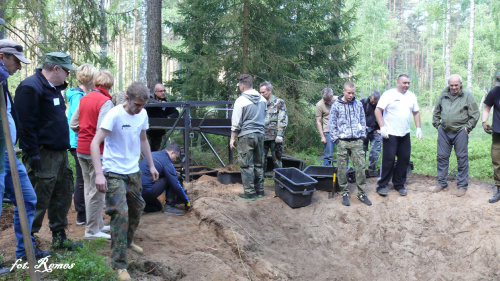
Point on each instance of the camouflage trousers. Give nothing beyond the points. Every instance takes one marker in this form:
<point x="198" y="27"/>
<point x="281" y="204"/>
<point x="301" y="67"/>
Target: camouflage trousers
<point x="54" y="189"/>
<point x="276" y="153"/>
<point x="354" y="150"/>
<point x="495" y="157"/>
<point x="251" y="161"/>
<point x="124" y="204"/>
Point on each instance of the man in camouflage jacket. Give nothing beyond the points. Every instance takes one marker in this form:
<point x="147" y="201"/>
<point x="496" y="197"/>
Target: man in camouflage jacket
<point x="275" y="126"/>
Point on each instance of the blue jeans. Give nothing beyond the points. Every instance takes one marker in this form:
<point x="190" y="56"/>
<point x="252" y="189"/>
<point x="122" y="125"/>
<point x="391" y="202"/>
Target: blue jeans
<point x="329" y="146"/>
<point x="29" y="196"/>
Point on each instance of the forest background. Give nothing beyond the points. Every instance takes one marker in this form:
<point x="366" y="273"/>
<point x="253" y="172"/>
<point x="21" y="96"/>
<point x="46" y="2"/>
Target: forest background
<point x="199" y="47"/>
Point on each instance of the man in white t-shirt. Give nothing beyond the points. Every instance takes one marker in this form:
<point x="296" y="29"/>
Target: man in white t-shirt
<point x="393" y="113"/>
<point x="124" y="129"/>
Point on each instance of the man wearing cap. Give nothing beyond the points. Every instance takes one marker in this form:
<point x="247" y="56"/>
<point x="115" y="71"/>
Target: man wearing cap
<point x="11" y="56"/>
<point x="493" y="100"/>
<point x="44" y="139"/>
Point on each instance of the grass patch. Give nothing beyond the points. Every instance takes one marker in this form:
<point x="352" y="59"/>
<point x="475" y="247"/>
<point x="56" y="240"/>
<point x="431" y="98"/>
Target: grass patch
<point x="86" y="264"/>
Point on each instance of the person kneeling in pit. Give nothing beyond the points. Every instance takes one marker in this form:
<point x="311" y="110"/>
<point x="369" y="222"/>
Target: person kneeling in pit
<point x="167" y="182"/>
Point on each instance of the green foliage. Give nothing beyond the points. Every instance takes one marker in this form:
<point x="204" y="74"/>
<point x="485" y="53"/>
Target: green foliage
<point x="300" y="47"/>
<point x="88" y="263"/>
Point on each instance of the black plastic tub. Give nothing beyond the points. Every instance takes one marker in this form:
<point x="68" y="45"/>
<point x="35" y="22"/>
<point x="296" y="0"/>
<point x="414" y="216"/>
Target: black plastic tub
<point x="287" y="161"/>
<point x="325" y="175"/>
<point x="294" y="187"/>
<point x="229" y="177"/>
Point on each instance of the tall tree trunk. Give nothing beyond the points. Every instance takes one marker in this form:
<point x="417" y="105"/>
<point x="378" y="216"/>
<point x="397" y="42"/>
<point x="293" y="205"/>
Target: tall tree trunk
<point x="133" y="45"/>
<point x="246" y="40"/>
<point x="144" y="33"/>
<point x="103" y="35"/>
<point x="471" y="46"/>
<point x="153" y="70"/>
<point x="447" y="40"/>
<point x="2" y="15"/>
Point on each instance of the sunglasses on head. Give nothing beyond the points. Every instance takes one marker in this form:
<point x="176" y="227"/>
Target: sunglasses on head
<point x="18" y="48"/>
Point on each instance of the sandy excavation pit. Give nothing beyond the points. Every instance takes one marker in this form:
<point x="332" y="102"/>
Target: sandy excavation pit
<point x="423" y="236"/>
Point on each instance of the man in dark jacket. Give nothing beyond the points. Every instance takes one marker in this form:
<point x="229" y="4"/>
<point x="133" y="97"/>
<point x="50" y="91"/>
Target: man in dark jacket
<point x="44" y="139"/>
<point x="347" y="125"/>
<point x="492" y="100"/>
<point x="167" y="182"/>
<point x="455" y="115"/>
<point x="155" y="135"/>
<point x="372" y="132"/>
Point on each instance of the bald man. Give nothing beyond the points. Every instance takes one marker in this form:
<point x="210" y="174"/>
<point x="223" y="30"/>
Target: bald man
<point x="455" y="116"/>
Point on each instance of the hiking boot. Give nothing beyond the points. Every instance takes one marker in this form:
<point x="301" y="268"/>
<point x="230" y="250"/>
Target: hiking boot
<point x="260" y="194"/>
<point x="402" y="191"/>
<point x="136" y="248"/>
<point x="345" y="200"/>
<point x="461" y="192"/>
<point x="383" y="191"/>
<point x="169" y="210"/>
<point x="495" y="198"/>
<point x="439" y="188"/>
<point x="4" y="269"/>
<point x="60" y="241"/>
<point x="39" y="254"/>
<point x="371" y="173"/>
<point x="363" y="198"/>
<point x="123" y="275"/>
<point x="97" y="235"/>
<point x="249" y="197"/>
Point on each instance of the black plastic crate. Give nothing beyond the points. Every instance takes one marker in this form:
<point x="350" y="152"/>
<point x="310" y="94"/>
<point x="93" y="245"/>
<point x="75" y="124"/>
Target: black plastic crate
<point x="229" y="177"/>
<point x="287" y="161"/>
<point x="325" y="175"/>
<point x="294" y="187"/>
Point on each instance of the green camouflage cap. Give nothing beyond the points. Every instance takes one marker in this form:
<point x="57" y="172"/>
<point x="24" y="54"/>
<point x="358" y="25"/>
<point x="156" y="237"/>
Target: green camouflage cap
<point x="59" y="58"/>
<point x="497" y="81"/>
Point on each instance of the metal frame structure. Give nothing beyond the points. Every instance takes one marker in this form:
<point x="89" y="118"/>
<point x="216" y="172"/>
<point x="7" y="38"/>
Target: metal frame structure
<point x="204" y="125"/>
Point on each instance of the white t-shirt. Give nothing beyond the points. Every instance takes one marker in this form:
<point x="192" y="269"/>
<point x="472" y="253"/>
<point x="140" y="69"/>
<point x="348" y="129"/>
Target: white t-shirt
<point x="398" y="109"/>
<point x="122" y="146"/>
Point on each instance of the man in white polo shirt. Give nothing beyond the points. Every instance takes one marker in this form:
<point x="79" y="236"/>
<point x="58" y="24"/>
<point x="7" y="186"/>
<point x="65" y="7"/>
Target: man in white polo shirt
<point x="393" y="113"/>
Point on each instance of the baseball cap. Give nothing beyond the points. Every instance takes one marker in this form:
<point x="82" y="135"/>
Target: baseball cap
<point x="497" y="82"/>
<point x="59" y="58"/>
<point x="10" y="47"/>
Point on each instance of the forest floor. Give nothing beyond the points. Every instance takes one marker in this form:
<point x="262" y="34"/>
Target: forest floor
<point x="423" y="236"/>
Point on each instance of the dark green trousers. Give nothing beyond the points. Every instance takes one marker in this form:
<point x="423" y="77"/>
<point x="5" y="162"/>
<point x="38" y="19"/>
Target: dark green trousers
<point x="251" y="161"/>
<point x="54" y="189"/>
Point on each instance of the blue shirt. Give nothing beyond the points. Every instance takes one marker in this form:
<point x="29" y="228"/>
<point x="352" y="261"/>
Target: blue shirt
<point x="165" y="168"/>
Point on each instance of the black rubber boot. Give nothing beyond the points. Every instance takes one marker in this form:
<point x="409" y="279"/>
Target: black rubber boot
<point x="60" y="241"/>
<point x="495" y="198"/>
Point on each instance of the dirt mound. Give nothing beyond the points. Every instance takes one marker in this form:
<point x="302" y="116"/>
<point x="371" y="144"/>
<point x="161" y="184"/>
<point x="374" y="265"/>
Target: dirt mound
<point x="423" y="236"/>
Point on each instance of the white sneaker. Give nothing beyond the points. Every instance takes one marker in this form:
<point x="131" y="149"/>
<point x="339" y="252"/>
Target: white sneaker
<point x="106" y="228"/>
<point x="97" y="235"/>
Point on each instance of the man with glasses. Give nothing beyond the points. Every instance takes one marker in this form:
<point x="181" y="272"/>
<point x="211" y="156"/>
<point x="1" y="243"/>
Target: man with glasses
<point x="155" y="136"/>
<point x="44" y="139"/>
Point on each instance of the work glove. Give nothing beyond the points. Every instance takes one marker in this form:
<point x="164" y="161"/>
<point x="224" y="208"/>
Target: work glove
<point x="4" y="73"/>
<point x="419" y="134"/>
<point x="187" y="206"/>
<point x="487" y="128"/>
<point x="278" y="139"/>
<point x="384" y="132"/>
<point x="35" y="162"/>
